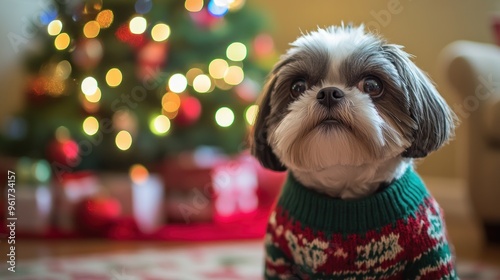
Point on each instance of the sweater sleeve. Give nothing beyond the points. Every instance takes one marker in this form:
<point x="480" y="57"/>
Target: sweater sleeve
<point x="431" y="257"/>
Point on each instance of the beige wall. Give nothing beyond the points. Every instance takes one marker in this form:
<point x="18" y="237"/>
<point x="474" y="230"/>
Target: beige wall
<point x="424" y="27"/>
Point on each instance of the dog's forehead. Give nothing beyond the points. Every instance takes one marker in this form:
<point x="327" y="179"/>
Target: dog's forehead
<point x="329" y="52"/>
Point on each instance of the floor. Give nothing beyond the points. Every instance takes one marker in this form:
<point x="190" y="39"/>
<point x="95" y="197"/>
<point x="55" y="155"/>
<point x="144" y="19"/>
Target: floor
<point x="463" y="231"/>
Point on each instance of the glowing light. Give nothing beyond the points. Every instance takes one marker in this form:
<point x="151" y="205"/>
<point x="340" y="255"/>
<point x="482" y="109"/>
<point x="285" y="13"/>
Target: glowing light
<point x="94" y="97"/>
<point x="193" y="5"/>
<point x="216" y="10"/>
<point x="123" y="140"/>
<point x="90" y="125"/>
<point x="170" y="102"/>
<point x="236" y="51"/>
<point x="222" y="85"/>
<point x="62" y="41"/>
<point x="138" y="25"/>
<point x="223" y="3"/>
<point x="105" y="18"/>
<point x="251" y="113"/>
<point x="263" y="45"/>
<point x="114" y="77"/>
<point x="202" y="83"/>
<point x="138" y="173"/>
<point x="54" y="27"/>
<point x="224" y="117"/>
<point x="63" y="69"/>
<point x="236" y="5"/>
<point x="91" y="29"/>
<point x="92" y="6"/>
<point x="217" y="68"/>
<point x="177" y="83"/>
<point x="62" y="134"/>
<point x="90" y="107"/>
<point x="42" y="171"/>
<point x="234" y="75"/>
<point x="193" y="73"/>
<point x="89" y="86"/>
<point x="160" y="125"/>
<point x="160" y="32"/>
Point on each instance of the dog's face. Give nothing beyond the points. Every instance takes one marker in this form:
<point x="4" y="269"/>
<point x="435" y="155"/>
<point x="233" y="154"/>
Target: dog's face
<point x="341" y="96"/>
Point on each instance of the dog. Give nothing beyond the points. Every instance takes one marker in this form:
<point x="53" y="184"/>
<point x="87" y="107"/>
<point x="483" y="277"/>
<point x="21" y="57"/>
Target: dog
<point x="347" y="113"/>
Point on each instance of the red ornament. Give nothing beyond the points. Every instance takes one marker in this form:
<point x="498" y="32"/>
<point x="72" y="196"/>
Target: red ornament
<point x="135" y="40"/>
<point x="150" y="59"/>
<point x="64" y="151"/>
<point x="263" y="45"/>
<point x="189" y="111"/>
<point x="97" y="215"/>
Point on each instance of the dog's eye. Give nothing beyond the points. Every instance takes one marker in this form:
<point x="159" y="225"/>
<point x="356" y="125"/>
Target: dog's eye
<point x="298" y="87"/>
<point x="371" y="85"/>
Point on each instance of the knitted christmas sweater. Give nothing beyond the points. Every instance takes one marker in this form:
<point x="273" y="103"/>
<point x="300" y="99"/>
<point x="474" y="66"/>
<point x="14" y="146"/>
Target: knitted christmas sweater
<point x="397" y="233"/>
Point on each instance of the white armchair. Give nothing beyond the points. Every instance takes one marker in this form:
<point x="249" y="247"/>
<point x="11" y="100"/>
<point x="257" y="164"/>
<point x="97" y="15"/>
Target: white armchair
<point x="473" y="69"/>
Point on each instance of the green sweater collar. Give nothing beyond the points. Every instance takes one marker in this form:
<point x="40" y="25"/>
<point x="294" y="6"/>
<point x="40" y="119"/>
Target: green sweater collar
<point x="321" y="212"/>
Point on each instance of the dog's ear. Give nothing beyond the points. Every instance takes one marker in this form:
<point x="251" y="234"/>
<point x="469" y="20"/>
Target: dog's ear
<point x="259" y="141"/>
<point x="259" y="144"/>
<point x="434" y="121"/>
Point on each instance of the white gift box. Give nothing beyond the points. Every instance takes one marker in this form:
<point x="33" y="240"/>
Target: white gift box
<point x="144" y="200"/>
<point x="33" y="209"/>
<point x="68" y="194"/>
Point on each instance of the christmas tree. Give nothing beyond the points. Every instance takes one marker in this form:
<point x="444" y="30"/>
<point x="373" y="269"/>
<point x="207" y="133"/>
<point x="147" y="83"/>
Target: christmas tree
<point x="124" y="82"/>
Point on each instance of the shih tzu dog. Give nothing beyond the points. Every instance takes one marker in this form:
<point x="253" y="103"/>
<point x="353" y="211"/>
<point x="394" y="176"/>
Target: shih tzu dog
<point x="346" y="113"/>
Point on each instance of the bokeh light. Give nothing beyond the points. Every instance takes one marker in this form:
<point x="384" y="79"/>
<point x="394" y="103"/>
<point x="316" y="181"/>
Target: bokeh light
<point x="251" y="113"/>
<point x="90" y="125"/>
<point x="63" y="69"/>
<point x="177" y="83"/>
<point x="217" y="68"/>
<point x="193" y="73"/>
<point x="236" y="51"/>
<point x="160" y="125"/>
<point x="54" y="27"/>
<point x="123" y="140"/>
<point x="193" y="5"/>
<point x="236" y="5"/>
<point x="202" y="83"/>
<point x="94" y="97"/>
<point x="105" y="18"/>
<point x="89" y="86"/>
<point x="91" y="29"/>
<point x="138" y="25"/>
<point x="42" y="172"/>
<point x="224" y="117"/>
<point x="114" y="77"/>
<point x="222" y="85"/>
<point x="216" y="10"/>
<point x="62" y="134"/>
<point x="138" y="173"/>
<point x="234" y="75"/>
<point x="92" y="6"/>
<point x="160" y="32"/>
<point x="62" y="41"/>
<point x="170" y="102"/>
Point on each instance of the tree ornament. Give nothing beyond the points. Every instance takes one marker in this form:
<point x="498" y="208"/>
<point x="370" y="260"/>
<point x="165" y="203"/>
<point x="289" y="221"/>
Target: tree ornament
<point x="189" y="111"/>
<point x="96" y="215"/>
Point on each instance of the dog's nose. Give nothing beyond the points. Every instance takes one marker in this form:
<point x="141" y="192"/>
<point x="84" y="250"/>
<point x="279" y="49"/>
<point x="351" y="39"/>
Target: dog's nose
<point x="329" y="96"/>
